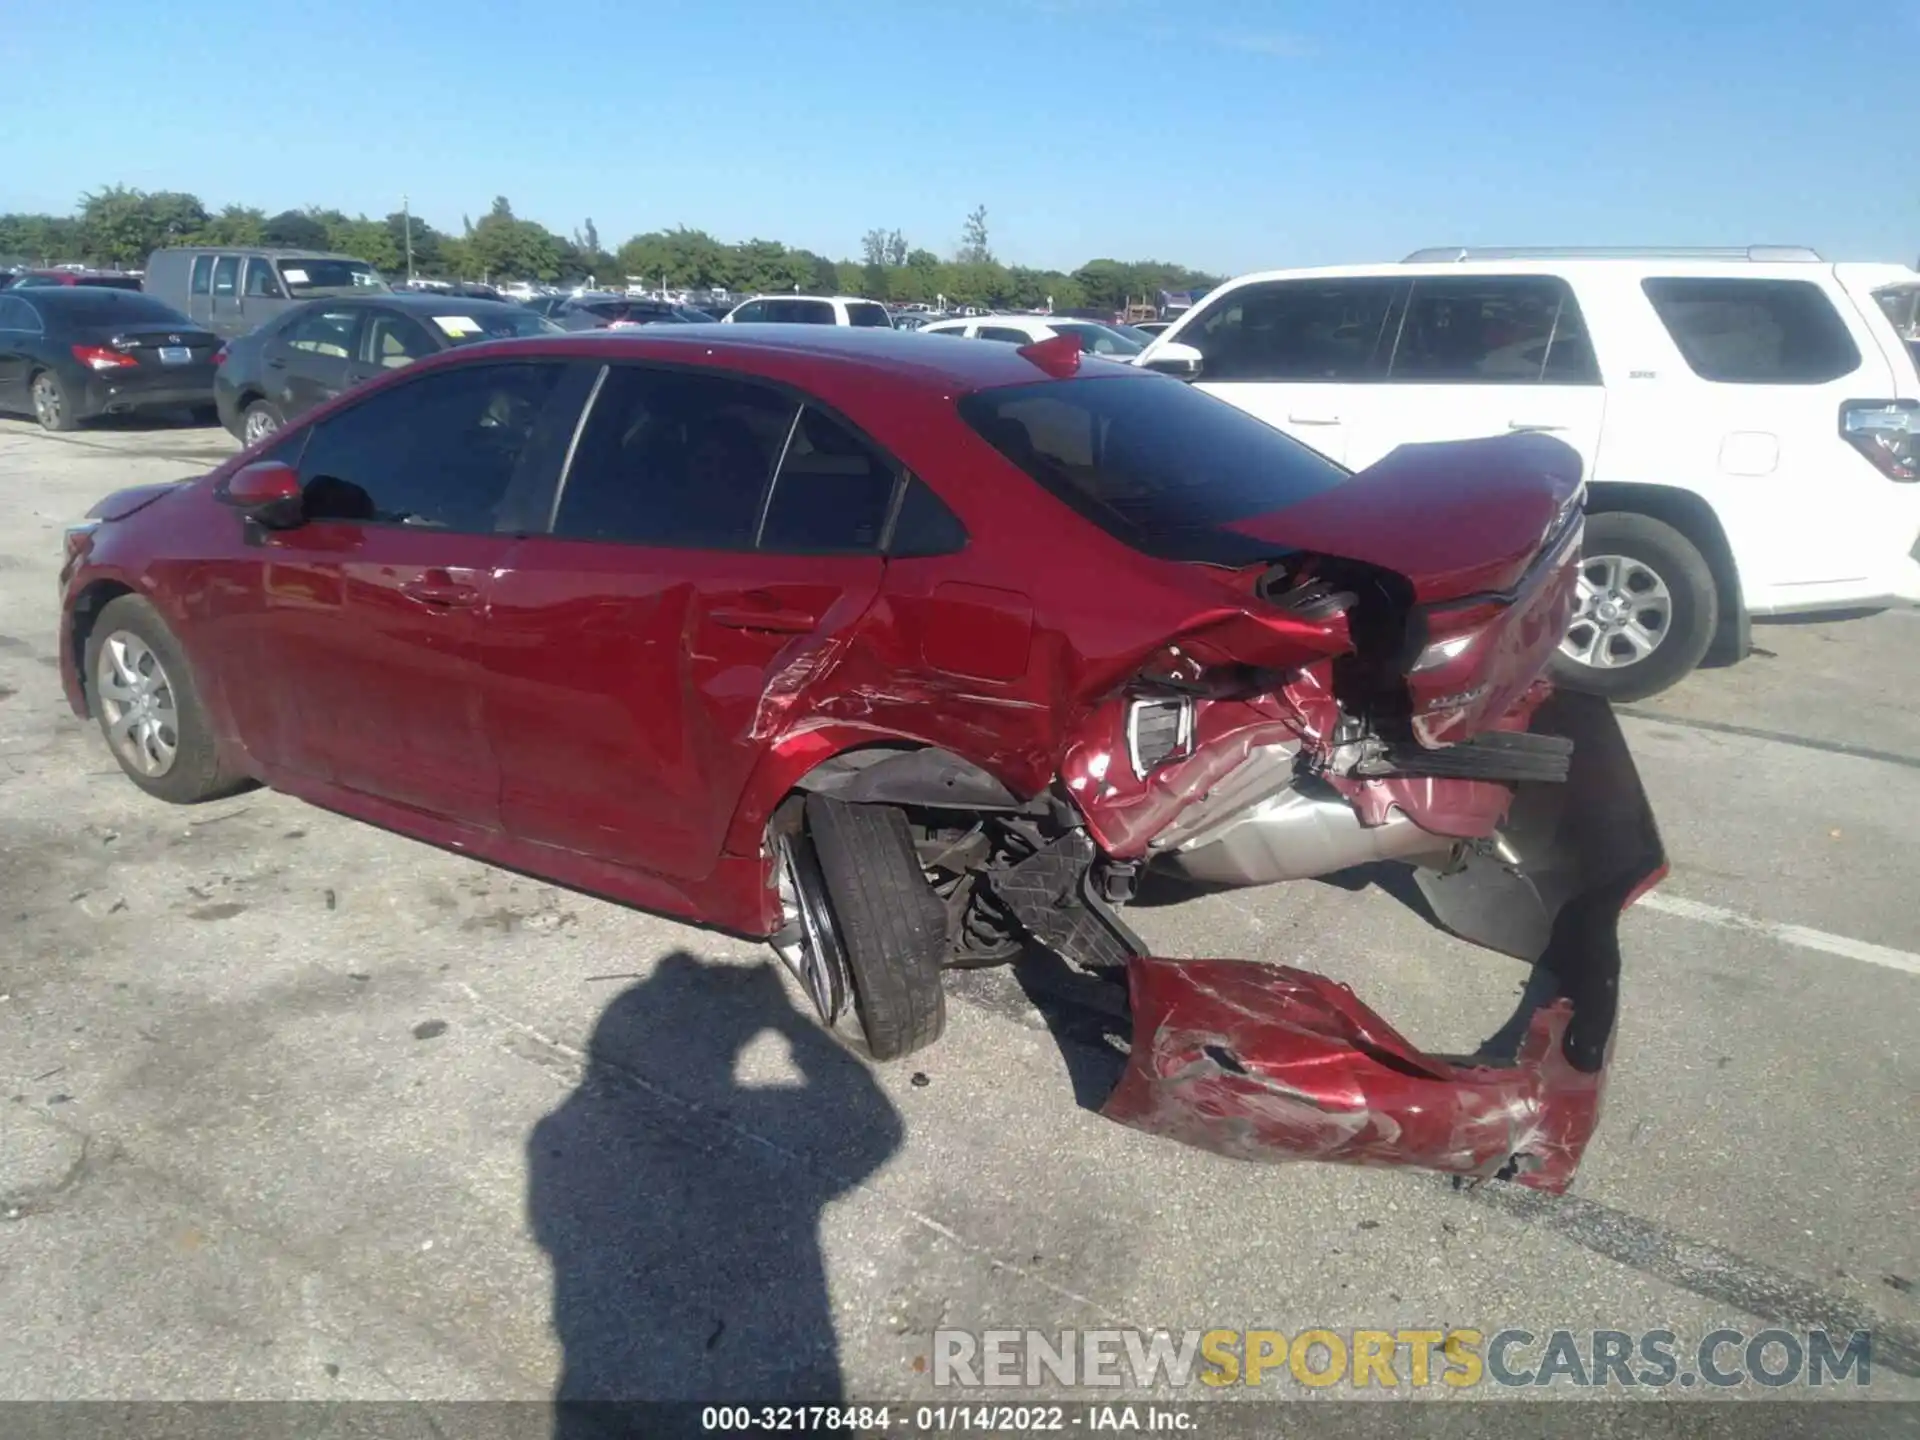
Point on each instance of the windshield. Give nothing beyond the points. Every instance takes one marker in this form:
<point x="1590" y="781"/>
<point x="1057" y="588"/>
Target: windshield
<point x="1098" y="339"/>
<point x="1160" y="466"/>
<point x="317" y="276"/>
<point x="99" y="305"/>
<point x="492" y="322"/>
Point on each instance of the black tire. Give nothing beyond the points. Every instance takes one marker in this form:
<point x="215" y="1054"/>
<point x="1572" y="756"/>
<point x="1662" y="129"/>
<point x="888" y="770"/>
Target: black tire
<point x="57" y="415"/>
<point x="1693" y="617"/>
<point x="195" y="774"/>
<point x="268" y="415"/>
<point x="892" y="927"/>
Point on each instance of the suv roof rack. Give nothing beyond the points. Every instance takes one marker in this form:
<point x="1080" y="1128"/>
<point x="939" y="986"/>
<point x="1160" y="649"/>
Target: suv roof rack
<point x="1447" y="253"/>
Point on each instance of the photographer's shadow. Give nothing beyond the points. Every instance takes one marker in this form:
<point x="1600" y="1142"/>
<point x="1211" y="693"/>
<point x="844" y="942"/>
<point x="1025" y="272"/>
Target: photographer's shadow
<point x="681" y="1208"/>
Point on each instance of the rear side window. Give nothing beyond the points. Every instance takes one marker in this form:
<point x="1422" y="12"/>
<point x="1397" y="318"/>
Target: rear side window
<point x="261" y="280"/>
<point x="750" y="314"/>
<point x="327" y="333"/>
<point x="226" y="275"/>
<point x="439" y="453"/>
<point x="1004" y="334"/>
<point x="202" y="274"/>
<point x="1299" y="330"/>
<point x="1500" y="330"/>
<point x="832" y="493"/>
<point x="874" y="316"/>
<point x="798" y="312"/>
<point x="674" y="459"/>
<point x="1754" y="332"/>
<point x="1160" y="466"/>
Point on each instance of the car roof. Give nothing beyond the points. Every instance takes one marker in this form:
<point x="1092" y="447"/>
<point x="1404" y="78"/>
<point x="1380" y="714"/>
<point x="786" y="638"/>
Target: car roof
<point x="273" y="251"/>
<point x="828" y="299"/>
<point x="416" y="300"/>
<point x="773" y="350"/>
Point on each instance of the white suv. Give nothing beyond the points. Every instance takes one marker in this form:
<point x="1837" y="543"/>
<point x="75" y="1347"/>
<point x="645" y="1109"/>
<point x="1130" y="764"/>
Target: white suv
<point x="810" y="310"/>
<point x="1750" y="420"/>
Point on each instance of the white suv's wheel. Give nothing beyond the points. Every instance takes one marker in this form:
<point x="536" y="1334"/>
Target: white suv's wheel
<point x="1647" y="609"/>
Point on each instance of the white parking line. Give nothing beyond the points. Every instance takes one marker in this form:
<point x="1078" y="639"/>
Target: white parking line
<point x="1800" y="935"/>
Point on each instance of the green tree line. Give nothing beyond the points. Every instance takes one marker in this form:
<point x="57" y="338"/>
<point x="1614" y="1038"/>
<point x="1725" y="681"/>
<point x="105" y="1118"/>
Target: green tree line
<point x="117" y="226"/>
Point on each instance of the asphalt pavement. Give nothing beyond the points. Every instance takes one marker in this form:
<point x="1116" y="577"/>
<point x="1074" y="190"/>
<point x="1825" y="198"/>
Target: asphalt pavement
<point x="292" y="1108"/>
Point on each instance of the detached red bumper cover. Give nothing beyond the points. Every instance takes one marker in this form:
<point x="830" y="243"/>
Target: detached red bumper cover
<point x="1265" y="1062"/>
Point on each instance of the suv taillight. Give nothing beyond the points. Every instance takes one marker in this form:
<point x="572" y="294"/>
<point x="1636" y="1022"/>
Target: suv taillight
<point x="1887" y="432"/>
<point x="220" y="356"/>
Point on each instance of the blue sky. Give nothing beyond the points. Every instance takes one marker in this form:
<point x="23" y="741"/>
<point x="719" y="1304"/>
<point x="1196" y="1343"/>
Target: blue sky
<point x="1229" y="136"/>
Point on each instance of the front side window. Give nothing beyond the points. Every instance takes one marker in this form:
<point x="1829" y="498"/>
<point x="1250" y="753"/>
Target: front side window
<point x="832" y="492"/>
<point x="674" y="459"/>
<point x="1754" y="332"/>
<point x="17" y="315"/>
<point x="202" y="280"/>
<point x="1298" y="330"/>
<point x="1159" y="465"/>
<point x="439" y="452"/>
<point x="260" y="279"/>
<point x="226" y="276"/>
<point x="326" y="333"/>
<point x="1496" y="329"/>
<point x="322" y="276"/>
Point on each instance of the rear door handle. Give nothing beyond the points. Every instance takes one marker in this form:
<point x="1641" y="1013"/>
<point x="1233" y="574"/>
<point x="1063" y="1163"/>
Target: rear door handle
<point x="752" y="617"/>
<point x="1313" y="419"/>
<point x="440" y="590"/>
<point x="1528" y="425"/>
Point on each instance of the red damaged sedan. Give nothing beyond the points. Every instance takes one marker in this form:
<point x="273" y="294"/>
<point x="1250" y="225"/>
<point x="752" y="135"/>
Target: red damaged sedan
<point x="904" y="654"/>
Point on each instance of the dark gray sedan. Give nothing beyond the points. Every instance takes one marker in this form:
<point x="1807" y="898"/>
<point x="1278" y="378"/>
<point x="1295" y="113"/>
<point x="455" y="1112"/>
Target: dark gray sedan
<point x="310" y="354"/>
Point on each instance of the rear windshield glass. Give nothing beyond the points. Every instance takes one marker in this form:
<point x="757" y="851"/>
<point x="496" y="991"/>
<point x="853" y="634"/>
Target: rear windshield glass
<point x="870" y="315"/>
<point x="1754" y="332"/>
<point x="96" y="305"/>
<point x="311" y="276"/>
<point x="490" y="322"/>
<point x="1156" y="464"/>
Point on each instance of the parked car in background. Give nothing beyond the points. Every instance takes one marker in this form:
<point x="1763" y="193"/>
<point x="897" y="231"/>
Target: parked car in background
<point x="1749" y="420"/>
<point x="100" y="279"/>
<point x="1095" y="339"/>
<point x="902" y="654"/>
<point x="71" y="352"/>
<point x="602" y="312"/>
<point x="811" y="310"/>
<point x="304" y="358"/>
<point x="1151" y="327"/>
<point x="232" y="290"/>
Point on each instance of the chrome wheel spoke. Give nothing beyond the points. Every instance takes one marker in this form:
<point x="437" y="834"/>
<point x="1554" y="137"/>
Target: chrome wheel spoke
<point x="138" y="705"/>
<point x="1622" y="613"/>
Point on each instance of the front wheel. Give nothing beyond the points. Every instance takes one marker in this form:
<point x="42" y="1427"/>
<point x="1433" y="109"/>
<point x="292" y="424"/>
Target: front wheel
<point x="1646" y="613"/>
<point x="149" y="710"/>
<point x="260" y="421"/>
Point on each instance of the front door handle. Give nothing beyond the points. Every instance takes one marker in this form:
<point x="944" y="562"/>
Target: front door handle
<point x="440" y="590"/>
<point x="753" y="617"/>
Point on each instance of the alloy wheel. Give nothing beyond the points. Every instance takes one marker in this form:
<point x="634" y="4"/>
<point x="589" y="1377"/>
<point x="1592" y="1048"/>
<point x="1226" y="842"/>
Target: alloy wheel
<point x="143" y="722"/>
<point x="47" y="404"/>
<point x="258" y="425"/>
<point x="1623" y="613"/>
<point x="808" y="944"/>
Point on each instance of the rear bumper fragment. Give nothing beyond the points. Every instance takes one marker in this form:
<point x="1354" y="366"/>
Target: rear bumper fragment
<point x="1266" y="1062"/>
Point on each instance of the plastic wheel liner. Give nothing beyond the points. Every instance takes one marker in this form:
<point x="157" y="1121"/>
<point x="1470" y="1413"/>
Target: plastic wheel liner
<point x="1267" y="1062"/>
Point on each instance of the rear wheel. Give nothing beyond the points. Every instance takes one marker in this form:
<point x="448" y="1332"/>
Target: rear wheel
<point x="260" y="421"/>
<point x="149" y="710"/>
<point x="52" y="406"/>
<point x="1647" y="609"/>
<point x="881" y="920"/>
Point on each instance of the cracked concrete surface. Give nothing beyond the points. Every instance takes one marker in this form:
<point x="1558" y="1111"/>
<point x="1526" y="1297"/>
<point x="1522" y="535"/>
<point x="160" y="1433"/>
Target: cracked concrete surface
<point x="293" y="1108"/>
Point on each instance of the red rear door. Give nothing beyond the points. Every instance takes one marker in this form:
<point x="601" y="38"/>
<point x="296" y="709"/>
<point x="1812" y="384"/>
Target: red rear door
<point x="641" y="657"/>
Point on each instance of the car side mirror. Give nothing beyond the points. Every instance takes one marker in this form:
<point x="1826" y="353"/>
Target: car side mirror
<point x="268" y="493"/>
<point x="1170" y="357"/>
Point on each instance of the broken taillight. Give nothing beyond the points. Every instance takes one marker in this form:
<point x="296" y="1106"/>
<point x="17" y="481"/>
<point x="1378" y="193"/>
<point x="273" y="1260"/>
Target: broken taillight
<point x="1887" y="432"/>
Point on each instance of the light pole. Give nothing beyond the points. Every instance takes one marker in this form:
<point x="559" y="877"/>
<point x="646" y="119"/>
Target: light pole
<point x="406" y="220"/>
